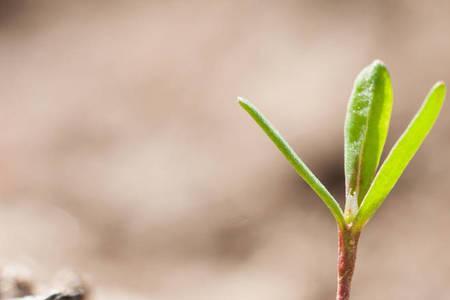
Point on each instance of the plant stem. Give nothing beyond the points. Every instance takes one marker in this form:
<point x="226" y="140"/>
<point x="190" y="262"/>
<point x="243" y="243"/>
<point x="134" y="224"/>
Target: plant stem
<point x="347" y="246"/>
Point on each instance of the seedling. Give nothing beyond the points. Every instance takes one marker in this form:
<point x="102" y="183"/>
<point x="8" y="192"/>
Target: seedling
<point x="366" y="128"/>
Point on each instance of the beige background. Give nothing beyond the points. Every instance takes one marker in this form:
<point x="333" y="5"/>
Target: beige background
<point x="124" y="155"/>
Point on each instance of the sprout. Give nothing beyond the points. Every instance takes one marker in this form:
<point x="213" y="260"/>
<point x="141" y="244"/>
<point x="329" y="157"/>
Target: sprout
<point x="366" y="185"/>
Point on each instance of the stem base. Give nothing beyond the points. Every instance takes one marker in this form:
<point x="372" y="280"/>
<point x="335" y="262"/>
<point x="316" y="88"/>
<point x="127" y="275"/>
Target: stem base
<point x="347" y="246"/>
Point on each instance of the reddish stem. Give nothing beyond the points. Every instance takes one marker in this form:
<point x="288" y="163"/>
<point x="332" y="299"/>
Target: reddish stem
<point x="347" y="246"/>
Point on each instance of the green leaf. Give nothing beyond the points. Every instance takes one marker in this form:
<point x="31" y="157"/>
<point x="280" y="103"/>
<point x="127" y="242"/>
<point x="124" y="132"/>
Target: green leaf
<point x="295" y="161"/>
<point x="401" y="154"/>
<point x="366" y="128"/>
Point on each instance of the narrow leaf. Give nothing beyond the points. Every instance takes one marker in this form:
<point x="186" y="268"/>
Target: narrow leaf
<point x="401" y="154"/>
<point x="295" y="161"/>
<point x="366" y="128"/>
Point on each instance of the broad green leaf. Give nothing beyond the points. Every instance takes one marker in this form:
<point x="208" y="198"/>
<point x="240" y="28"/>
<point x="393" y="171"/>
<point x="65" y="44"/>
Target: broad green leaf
<point x="401" y="154"/>
<point x="366" y="127"/>
<point x="295" y="161"/>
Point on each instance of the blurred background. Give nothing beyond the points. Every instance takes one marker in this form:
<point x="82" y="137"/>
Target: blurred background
<point x="125" y="157"/>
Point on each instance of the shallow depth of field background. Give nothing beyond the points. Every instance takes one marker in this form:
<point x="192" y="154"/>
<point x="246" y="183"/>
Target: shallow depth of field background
<point x="125" y="157"/>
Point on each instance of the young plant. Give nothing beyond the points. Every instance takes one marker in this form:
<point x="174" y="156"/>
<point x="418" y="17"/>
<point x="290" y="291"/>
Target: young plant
<point x="366" y="128"/>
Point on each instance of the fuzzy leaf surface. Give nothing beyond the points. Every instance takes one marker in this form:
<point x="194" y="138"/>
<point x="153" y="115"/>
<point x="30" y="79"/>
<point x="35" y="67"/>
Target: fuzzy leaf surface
<point x="366" y="128"/>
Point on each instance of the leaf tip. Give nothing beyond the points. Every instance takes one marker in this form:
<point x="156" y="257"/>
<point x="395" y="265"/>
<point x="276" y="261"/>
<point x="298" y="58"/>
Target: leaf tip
<point x="440" y="90"/>
<point x="440" y="85"/>
<point x="378" y="62"/>
<point x="242" y="101"/>
<point x="372" y="73"/>
<point x="378" y="67"/>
